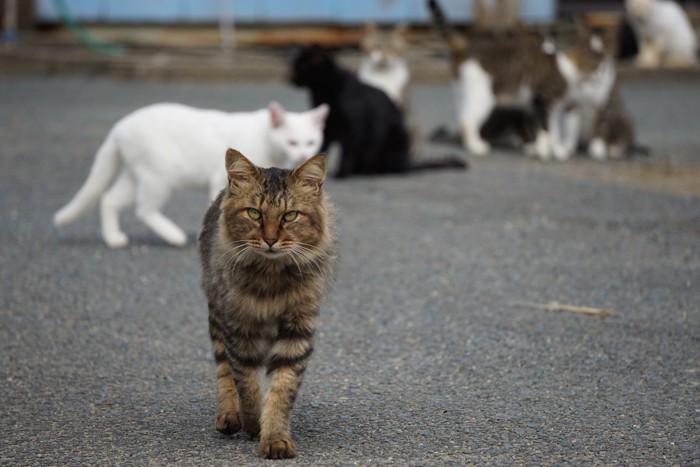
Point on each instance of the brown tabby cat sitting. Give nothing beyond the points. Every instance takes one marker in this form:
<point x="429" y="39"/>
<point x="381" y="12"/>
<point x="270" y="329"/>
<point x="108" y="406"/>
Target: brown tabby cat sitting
<point x="267" y="249"/>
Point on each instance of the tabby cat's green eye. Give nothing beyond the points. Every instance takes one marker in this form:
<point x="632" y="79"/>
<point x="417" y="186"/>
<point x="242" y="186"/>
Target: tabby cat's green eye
<point x="290" y="216"/>
<point x="254" y="214"/>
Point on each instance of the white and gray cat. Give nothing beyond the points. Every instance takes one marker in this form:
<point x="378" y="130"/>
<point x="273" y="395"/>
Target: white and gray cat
<point x="591" y="114"/>
<point x="383" y="64"/>
<point x="162" y="148"/>
<point x="385" y="67"/>
<point x="664" y="32"/>
<point x="524" y="72"/>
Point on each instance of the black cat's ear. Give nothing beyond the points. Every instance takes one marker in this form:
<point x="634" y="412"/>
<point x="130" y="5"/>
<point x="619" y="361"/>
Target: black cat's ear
<point x="238" y="167"/>
<point x="311" y="173"/>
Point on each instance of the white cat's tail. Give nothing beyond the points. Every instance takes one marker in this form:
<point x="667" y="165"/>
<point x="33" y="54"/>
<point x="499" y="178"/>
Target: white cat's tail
<point x="104" y="168"/>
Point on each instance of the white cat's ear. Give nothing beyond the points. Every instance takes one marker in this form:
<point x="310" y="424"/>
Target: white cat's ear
<point x="238" y="167"/>
<point x="311" y="173"/>
<point x="320" y="114"/>
<point x="277" y="113"/>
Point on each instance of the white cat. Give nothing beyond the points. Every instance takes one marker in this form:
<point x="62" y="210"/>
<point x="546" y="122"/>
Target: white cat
<point x="665" y="35"/>
<point x="164" y="147"/>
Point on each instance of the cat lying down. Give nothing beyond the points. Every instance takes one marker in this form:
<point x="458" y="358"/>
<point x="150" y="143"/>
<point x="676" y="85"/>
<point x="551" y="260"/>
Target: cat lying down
<point x="165" y="147"/>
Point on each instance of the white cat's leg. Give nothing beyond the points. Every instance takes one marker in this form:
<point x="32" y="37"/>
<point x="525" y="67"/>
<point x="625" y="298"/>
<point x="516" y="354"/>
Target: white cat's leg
<point x="150" y="198"/>
<point x="571" y="134"/>
<point x="563" y="128"/>
<point x="649" y="55"/>
<point x="478" y="101"/>
<point x="119" y="196"/>
<point x="543" y="145"/>
<point x="597" y="150"/>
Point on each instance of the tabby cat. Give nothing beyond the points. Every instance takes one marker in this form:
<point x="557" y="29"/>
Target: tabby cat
<point x="267" y="250"/>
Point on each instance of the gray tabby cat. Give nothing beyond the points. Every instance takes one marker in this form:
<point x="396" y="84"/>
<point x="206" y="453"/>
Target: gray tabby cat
<point x="267" y="249"/>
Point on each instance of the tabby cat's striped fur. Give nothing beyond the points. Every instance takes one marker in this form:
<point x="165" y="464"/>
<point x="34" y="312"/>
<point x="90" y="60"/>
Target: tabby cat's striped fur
<point x="267" y="249"/>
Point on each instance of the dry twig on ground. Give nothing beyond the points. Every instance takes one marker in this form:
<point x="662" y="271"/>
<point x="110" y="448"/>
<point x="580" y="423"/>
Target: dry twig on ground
<point x="556" y="306"/>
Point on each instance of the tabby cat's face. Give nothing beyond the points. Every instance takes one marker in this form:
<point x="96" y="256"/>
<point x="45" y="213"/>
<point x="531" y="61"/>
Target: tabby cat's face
<point x="274" y="213"/>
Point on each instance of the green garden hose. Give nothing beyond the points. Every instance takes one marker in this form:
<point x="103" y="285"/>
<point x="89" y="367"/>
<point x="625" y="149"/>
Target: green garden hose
<point x="85" y="38"/>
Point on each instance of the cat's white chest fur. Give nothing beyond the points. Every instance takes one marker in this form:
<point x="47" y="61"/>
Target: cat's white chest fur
<point x="392" y="78"/>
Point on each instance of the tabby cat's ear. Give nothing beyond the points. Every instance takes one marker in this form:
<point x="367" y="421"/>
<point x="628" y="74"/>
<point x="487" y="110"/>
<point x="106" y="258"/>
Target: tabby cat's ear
<point x="311" y="173"/>
<point x="238" y="167"/>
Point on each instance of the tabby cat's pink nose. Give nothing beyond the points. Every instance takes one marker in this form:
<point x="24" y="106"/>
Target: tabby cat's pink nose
<point x="270" y="241"/>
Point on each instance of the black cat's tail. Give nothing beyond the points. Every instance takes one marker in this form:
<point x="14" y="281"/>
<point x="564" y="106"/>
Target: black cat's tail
<point x="447" y="162"/>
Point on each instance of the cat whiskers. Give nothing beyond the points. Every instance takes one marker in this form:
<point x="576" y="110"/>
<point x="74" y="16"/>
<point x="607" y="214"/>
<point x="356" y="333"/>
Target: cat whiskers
<point x="237" y="253"/>
<point x="292" y="255"/>
<point x="308" y="254"/>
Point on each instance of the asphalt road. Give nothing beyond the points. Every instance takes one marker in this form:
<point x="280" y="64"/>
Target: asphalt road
<point x="423" y="356"/>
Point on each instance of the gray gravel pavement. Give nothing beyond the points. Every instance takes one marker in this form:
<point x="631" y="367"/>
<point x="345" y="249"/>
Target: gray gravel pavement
<point x="422" y="356"/>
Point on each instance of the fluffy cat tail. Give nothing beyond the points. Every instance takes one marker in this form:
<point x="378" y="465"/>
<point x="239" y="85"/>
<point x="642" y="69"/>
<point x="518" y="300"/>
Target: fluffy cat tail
<point x="101" y="174"/>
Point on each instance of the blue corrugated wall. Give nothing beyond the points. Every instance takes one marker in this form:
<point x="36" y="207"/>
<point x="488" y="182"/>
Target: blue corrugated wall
<point x="272" y="11"/>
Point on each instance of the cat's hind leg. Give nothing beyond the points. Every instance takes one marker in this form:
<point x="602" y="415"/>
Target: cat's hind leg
<point x="150" y="198"/>
<point x="119" y="196"/>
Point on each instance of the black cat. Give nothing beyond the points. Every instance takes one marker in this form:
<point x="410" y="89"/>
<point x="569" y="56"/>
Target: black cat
<point x="367" y="124"/>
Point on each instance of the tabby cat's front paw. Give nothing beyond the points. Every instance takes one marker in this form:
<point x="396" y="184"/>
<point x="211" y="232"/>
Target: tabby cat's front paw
<point x="277" y="447"/>
<point x="228" y="423"/>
